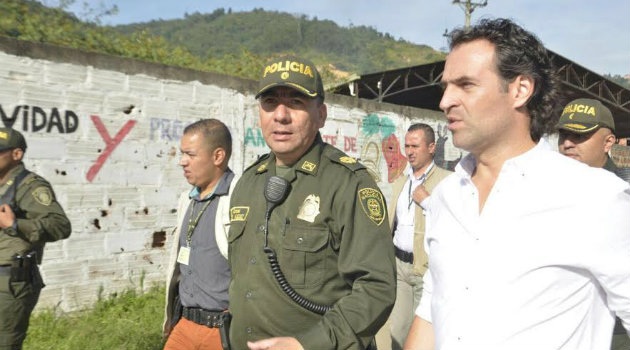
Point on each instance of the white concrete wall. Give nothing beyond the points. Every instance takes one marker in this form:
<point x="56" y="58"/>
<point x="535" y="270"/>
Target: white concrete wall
<point x="120" y="192"/>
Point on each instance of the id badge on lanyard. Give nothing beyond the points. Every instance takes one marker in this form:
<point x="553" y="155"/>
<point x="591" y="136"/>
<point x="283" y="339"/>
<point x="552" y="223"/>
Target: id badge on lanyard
<point x="184" y="252"/>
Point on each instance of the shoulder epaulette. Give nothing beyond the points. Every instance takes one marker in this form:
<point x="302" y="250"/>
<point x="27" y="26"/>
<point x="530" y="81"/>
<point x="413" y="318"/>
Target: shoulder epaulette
<point x="258" y="161"/>
<point x="32" y="177"/>
<point x="337" y="156"/>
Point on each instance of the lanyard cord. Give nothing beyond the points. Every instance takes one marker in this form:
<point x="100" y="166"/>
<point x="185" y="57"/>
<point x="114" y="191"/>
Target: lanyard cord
<point x="192" y="224"/>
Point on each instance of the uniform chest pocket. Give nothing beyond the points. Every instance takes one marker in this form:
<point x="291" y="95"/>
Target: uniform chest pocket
<point x="304" y="255"/>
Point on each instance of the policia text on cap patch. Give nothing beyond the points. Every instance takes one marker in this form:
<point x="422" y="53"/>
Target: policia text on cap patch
<point x="292" y="72"/>
<point x="286" y="66"/>
<point x="585" y="115"/>
<point x="579" y="108"/>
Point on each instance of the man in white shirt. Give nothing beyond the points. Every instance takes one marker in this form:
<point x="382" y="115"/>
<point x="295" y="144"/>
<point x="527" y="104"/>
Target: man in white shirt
<point x="408" y="227"/>
<point x="521" y="255"/>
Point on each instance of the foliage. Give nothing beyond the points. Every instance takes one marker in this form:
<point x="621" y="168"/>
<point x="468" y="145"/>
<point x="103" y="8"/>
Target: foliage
<point x="123" y="321"/>
<point x="29" y="20"/>
<point x="359" y="49"/>
<point x="623" y="81"/>
<point x="232" y="43"/>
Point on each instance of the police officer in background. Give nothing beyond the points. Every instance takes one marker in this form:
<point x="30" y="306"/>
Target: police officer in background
<point x="586" y="133"/>
<point x="30" y="216"/>
<point x="330" y="235"/>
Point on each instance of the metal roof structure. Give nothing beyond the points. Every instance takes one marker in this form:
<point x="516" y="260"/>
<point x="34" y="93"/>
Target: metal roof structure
<point x="419" y="86"/>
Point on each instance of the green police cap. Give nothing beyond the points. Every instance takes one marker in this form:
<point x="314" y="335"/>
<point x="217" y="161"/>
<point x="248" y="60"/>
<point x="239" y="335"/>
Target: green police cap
<point x="10" y="139"/>
<point x="585" y="115"/>
<point x="297" y="73"/>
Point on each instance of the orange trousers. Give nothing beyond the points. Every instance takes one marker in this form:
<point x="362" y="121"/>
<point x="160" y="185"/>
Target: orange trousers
<point x="187" y="335"/>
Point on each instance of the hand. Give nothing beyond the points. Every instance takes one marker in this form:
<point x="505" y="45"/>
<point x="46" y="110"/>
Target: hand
<point x="7" y="217"/>
<point x="279" y="343"/>
<point x="420" y="194"/>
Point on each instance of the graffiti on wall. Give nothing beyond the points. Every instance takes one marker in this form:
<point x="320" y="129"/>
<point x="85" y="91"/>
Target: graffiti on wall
<point x="395" y="160"/>
<point x="371" y="158"/>
<point x="254" y="137"/>
<point x="166" y="129"/>
<point x="110" y="144"/>
<point x="380" y="135"/>
<point x="37" y="119"/>
<point x="349" y="142"/>
<point x="381" y="132"/>
<point x="440" y="144"/>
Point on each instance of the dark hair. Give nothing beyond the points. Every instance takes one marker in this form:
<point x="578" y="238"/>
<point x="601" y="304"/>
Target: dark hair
<point x="519" y="52"/>
<point x="215" y="135"/>
<point x="429" y="134"/>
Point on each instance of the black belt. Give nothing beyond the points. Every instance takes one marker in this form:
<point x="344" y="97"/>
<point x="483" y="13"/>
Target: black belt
<point x="404" y="256"/>
<point x="203" y="317"/>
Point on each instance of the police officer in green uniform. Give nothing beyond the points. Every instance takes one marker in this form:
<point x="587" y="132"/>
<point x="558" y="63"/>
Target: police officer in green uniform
<point x="330" y="235"/>
<point x="29" y="217"/>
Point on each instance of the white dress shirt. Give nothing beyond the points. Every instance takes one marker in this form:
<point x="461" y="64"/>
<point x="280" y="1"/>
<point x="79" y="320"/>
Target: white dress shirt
<point x="406" y="211"/>
<point x="545" y="265"/>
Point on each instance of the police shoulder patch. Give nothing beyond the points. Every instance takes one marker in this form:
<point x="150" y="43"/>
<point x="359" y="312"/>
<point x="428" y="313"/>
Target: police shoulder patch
<point x="372" y="204"/>
<point x="43" y="195"/>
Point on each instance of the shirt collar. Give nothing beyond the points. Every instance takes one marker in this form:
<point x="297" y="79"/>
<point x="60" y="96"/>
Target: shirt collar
<point x="308" y="163"/>
<point x="222" y="187"/>
<point x="523" y="162"/>
<point x="423" y="175"/>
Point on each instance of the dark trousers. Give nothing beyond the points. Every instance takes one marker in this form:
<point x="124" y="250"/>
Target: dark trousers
<point x="17" y="300"/>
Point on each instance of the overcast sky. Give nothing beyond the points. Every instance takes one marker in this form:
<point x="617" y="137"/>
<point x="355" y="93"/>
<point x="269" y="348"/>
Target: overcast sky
<point x="594" y="34"/>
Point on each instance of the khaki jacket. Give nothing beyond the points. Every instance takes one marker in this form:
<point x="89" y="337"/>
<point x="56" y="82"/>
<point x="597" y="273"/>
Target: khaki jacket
<point x="221" y="229"/>
<point x="420" y="258"/>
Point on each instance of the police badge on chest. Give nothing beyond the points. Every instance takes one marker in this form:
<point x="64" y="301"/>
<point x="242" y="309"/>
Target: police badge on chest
<point x="309" y="209"/>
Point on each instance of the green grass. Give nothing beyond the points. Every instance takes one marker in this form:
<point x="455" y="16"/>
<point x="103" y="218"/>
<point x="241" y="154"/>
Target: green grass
<point x="126" y="321"/>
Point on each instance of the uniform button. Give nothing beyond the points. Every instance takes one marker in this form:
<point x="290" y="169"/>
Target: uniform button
<point x="261" y="227"/>
<point x="252" y="261"/>
<point x="300" y="240"/>
<point x="249" y="330"/>
<point x="190" y="272"/>
<point x="191" y="295"/>
<point x="248" y="295"/>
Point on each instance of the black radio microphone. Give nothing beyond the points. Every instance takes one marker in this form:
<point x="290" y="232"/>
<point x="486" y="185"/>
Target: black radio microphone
<point x="276" y="191"/>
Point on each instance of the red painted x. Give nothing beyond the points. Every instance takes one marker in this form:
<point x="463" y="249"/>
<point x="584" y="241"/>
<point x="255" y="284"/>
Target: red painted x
<point x="110" y="144"/>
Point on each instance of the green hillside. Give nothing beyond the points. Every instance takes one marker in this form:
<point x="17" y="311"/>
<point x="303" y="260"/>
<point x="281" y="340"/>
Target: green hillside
<point x="357" y="49"/>
<point x="233" y="43"/>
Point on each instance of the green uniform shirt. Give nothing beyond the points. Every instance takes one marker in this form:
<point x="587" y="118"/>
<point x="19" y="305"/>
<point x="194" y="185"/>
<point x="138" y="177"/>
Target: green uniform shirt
<point x="332" y="238"/>
<point x="40" y="218"/>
